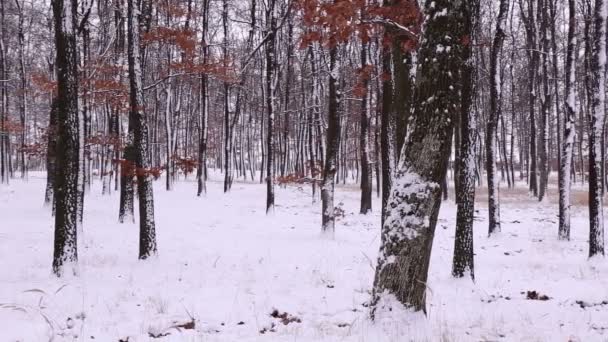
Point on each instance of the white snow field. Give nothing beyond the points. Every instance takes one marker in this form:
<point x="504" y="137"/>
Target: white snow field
<point x="224" y="266"/>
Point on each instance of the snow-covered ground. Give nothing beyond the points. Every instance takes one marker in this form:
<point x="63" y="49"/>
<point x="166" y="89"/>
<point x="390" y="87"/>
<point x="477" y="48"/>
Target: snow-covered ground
<point x="224" y="266"/>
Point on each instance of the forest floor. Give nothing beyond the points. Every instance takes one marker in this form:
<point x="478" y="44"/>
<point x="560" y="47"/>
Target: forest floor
<point x="228" y="272"/>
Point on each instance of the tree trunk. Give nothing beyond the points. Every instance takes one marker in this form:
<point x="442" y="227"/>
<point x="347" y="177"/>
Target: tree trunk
<point x="596" y="122"/>
<point x="51" y="156"/>
<point x="366" y="165"/>
<point x="415" y="198"/>
<point x="147" y="229"/>
<point x="333" y="144"/>
<point x="463" y="262"/>
<point x="66" y="176"/>
<point x="494" y="115"/>
<point x="203" y="109"/>
<point x="568" y="140"/>
<point x="270" y="103"/>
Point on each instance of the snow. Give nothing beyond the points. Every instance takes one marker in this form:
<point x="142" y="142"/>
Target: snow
<point x="222" y="261"/>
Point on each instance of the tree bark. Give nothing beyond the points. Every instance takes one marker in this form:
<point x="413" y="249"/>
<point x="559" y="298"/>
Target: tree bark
<point x="596" y="122"/>
<point x="147" y="227"/>
<point x="569" y="117"/>
<point x="494" y="115"/>
<point x="333" y="144"/>
<point x="463" y="261"/>
<point x="415" y="198"/>
<point x="65" y="253"/>
<point x="366" y="165"/>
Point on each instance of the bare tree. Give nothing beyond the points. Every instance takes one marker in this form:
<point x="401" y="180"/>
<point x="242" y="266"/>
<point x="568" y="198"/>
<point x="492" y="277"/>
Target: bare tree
<point x="570" y="115"/>
<point x="463" y="262"/>
<point x="415" y="197"/>
<point x="68" y="132"/>
<point x="596" y="124"/>
<point x="494" y="115"/>
<point x="139" y="135"/>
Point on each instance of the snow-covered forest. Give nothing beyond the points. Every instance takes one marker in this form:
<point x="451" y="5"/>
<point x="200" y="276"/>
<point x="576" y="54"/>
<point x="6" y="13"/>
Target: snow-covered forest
<point x="303" y="170"/>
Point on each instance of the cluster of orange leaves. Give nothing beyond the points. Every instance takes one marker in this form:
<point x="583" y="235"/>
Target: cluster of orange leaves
<point x="42" y="84"/>
<point x="128" y="168"/>
<point x="104" y="140"/>
<point x="10" y="126"/>
<point x="365" y="73"/>
<point x="186" y="164"/>
<point x="180" y="37"/>
<point x="332" y="22"/>
<point x="335" y="21"/>
<point x="36" y="149"/>
<point x="293" y="178"/>
<point x="301" y="178"/>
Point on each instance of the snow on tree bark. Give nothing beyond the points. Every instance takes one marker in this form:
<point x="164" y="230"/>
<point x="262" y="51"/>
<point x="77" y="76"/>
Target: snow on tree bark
<point x="494" y="115"/>
<point x="65" y="254"/>
<point x="51" y="156"/>
<point x="463" y="262"/>
<point x="415" y="197"/>
<point x="596" y="123"/>
<point x="545" y="100"/>
<point x="333" y="144"/>
<point x="201" y="172"/>
<point x="570" y="115"/>
<point x="4" y="137"/>
<point x="270" y="102"/>
<point x="366" y="165"/>
<point x="127" y="179"/>
<point x="147" y="229"/>
<point x="23" y="91"/>
<point x="387" y="128"/>
<point x="527" y="16"/>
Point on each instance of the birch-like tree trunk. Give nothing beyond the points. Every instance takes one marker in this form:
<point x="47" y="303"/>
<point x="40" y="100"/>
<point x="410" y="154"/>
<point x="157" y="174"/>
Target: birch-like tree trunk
<point x="569" y="117"/>
<point x="494" y="115"/>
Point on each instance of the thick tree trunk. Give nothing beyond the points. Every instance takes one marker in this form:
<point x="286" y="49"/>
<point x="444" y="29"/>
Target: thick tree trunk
<point x="66" y="176"/>
<point x="463" y="262"/>
<point x="415" y="198"/>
